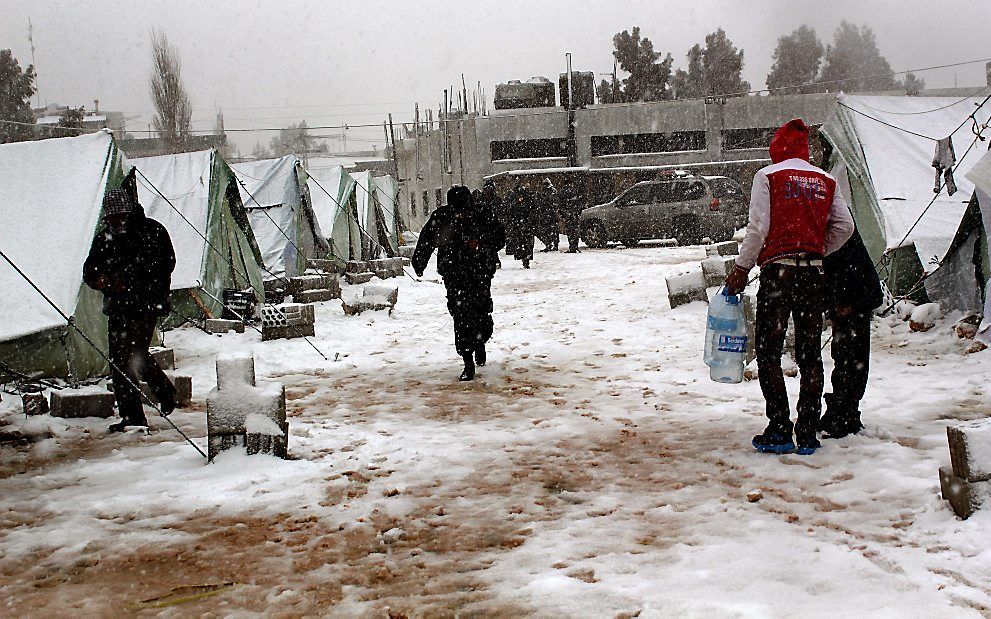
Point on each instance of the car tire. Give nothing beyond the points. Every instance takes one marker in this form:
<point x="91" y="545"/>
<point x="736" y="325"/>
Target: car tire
<point x="687" y="230"/>
<point x="594" y="234"/>
<point x="631" y="242"/>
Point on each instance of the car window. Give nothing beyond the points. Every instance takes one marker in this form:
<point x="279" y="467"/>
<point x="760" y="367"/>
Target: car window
<point x="636" y="195"/>
<point x="667" y="192"/>
<point x="693" y="191"/>
<point x="726" y="188"/>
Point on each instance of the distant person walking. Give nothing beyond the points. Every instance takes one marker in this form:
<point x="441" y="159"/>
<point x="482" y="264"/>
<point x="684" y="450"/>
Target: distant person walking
<point x="572" y="203"/>
<point x="797" y="217"/>
<point x="131" y="262"/>
<point x="520" y="224"/>
<point x="853" y="292"/>
<point x="467" y="237"/>
<point x="548" y="224"/>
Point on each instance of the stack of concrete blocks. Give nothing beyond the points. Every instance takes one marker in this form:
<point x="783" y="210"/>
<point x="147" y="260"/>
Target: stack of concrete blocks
<point x="241" y="412"/>
<point x="289" y="320"/>
<point x="84" y="402"/>
<point x="372" y="298"/>
<point x="966" y="483"/>
<point x="384" y="268"/>
<point x="686" y="288"/>
<point x="165" y="357"/>
<point x="313" y="288"/>
<point x="358" y="272"/>
<point x="406" y="251"/>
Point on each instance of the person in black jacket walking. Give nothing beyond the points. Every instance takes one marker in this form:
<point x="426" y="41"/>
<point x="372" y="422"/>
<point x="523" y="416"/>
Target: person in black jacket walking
<point x="521" y="223"/>
<point x="467" y="237"/>
<point x="131" y="262"/>
<point x="854" y="292"/>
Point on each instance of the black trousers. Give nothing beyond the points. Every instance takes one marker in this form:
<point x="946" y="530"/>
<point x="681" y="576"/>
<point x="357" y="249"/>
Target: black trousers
<point x="797" y="292"/>
<point x="851" y="351"/>
<point x="549" y="234"/>
<point x="469" y="300"/>
<point x="130" y="337"/>
<point x="572" y="228"/>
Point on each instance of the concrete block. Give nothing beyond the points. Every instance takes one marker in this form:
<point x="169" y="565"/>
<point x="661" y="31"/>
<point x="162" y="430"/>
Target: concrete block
<point x="219" y="325"/>
<point x="244" y="416"/>
<point x="384" y="273"/>
<point x="385" y="295"/>
<point x="406" y="251"/>
<point x="356" y="266"/>
<point x="183" y="389"/>
<point x="750" y="315"/>
<point x="358" y="278"/>
<point x="288" y="333"/>
<point x="303" y="283"/>
<point x="275" y="286"/>
<point x="165" y="357"/>
<point x="970" y="449"/>
<point x="287" y="314"/>
<point x="728" y="248"/>
<point x="686" y="288"/>
<point x="264" y="435"/>
<point x="716" y="269"/>
<point x="235" y="371"/>
<point x="34" y="403"/>
<point x="965" y="497"/>
<point x="317" y="296"/>
<point x="87" y="402"/>
<point x="407" y="262"/>
<point x="327" y="266"/>
<point x="397" y="266"/>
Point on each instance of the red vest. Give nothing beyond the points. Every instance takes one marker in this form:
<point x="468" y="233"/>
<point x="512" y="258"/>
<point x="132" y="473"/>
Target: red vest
<point x="800" y="203"/>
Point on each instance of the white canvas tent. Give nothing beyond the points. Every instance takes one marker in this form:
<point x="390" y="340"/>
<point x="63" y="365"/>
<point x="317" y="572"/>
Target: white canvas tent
<point x="278" y="207"/>
<point x="332" y="194"/>
<point x="52" y="199"/>
<point x="980" y="175"/>
<point x="194" y="196"/>
<point x="890" y="176"/>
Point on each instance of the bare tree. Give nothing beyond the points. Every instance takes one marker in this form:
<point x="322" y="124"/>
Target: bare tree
<point x="174" y="112"/>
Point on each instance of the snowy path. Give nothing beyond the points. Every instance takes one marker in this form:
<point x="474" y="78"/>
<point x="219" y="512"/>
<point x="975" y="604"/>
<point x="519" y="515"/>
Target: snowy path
<point x="591" y="470"/>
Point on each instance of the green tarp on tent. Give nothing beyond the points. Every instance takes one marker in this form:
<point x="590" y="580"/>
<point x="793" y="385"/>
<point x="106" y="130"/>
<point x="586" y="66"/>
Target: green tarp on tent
<point x="52" y="197"/>
<point x="332" y="195"/>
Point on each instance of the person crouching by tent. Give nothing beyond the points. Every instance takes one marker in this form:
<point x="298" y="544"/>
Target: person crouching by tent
<point x="131" y="262"/>
<point x="853" y="293"/>
<point x="467" y="237"/>
<point x="797" y="217"/>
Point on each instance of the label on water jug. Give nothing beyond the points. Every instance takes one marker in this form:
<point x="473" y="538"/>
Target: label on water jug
<point x="733" y="343"/>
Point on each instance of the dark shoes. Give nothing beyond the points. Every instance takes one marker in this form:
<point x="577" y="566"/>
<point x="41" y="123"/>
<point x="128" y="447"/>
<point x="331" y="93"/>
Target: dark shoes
<point x="807" y="445"/>
<point x="166" y="406"/>
<point x="480" y="355"/>
<point x="773" y="442"/>
<point x="122" y="425"/>
<point x="839" y="420"/>
<point x="526" y="264"/>
<point x="469" y="371"/>
<point x="573" y="251"/>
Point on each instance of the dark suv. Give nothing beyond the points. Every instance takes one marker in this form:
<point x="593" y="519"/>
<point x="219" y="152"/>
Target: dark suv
<point x="686" y="208"/>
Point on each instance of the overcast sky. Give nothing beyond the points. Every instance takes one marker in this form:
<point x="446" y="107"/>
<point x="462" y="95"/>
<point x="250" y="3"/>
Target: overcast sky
<point x="268" y="64"/>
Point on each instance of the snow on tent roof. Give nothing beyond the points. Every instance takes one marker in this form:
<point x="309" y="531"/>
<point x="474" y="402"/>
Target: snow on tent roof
<point x="268" y="182"/>
<point x="52" y="195"/>
<point x="185" y="180"/>
<point x="898" y="165"/>
<point x="330" y="192"/>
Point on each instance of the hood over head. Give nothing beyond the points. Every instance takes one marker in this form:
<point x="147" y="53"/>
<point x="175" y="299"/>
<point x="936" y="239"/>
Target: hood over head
<point x="459" y="198"/>
<point x="791" y="141"/>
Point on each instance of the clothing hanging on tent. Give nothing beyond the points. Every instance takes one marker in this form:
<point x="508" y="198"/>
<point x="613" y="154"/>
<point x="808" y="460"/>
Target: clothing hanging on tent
<point x="943" y="160"/>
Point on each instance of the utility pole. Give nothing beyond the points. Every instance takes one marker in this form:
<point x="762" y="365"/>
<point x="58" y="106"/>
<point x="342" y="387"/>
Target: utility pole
<point x="571" y="143"/>
<point x="395" y="156"/>
<point x="37" y="91"/>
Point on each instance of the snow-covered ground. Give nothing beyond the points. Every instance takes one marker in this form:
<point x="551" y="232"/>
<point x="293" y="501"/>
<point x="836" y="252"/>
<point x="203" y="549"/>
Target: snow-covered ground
<point x="592" y="469"/>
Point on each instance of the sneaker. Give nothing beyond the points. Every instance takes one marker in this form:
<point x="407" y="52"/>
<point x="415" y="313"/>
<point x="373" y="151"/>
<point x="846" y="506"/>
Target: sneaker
<point x="165" y="407"/>
<point x="468" y="374"/>
<point x="124" y="424"/>
<point x="480" y="355"/>
<point x="807" y="446"/>
<point x="773" y="442"/>
<point x="832" y="426"/>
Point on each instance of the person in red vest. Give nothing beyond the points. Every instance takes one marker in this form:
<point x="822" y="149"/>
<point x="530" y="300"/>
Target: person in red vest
<point x="797" y="217"/>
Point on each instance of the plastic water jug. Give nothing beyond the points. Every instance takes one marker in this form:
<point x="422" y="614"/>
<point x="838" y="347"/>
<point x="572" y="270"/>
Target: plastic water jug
<point x="725" y="338"/>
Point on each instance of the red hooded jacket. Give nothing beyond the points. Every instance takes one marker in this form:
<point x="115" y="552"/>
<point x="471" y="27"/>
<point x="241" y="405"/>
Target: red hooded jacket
<point x="795" y="207"/>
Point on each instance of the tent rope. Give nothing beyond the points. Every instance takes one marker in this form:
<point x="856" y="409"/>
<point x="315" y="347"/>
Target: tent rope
<point x="71" y="323"/>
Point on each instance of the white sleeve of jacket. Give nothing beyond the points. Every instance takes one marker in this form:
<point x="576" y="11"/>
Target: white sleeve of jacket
<point x="839" y="226"/>
<point x="760" y="222"/>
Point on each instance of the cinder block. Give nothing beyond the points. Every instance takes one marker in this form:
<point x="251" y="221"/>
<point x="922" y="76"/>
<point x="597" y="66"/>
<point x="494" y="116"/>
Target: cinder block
<point x="219" y="325"/>
<point x="34" y="404"/>
<point x="165" y="357"/>
<point x="327" y="266"/>
<point x="750" y="315"/>
<point x="287" y="314"/>
<point x="716" y="269"/>
<point x="386" y="295"/>
<point x="356" y="266"/>
<point x="396" y="264"/>
<point x="406" y="251"/>
<point x="970" y="450"/>
<point x="275" y="286"/>
<point x="358" y="278"/>
<point x="686" y="288"/>
<point x="407" y="262"/>
<point x="965" y="497"/>
<point x="183" y="389"/>
<point x="277" y="446"/>
<point x="235" y="371"/>
<point x="383" y="273"/>
<point x="75" y="403"/>
<point x="303" y="283"/>
<point x="727" y="248"/>
<point x="237" y="413"/>
<point x="288" y="333"/>
<point x="316" y="296"/>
